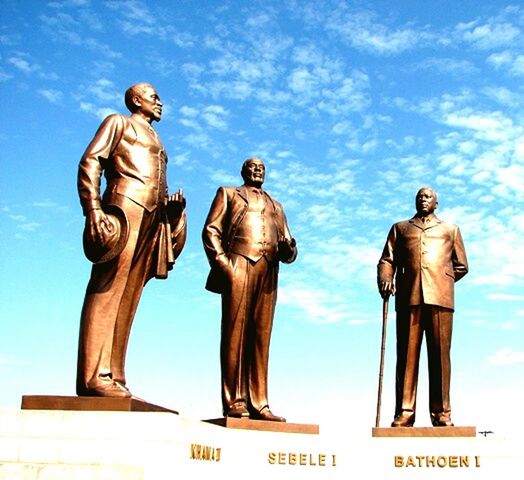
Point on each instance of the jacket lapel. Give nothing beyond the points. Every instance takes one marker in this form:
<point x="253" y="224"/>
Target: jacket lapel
<point x="417" y="222"/>
<point x="242" y="191"/>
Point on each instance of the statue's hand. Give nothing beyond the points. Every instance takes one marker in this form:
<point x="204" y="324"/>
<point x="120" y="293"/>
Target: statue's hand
<point x="224" y="264"/>
<point x="176" y="203"/>
<point x="98" y="224"/>
<point x="285" y="247"/>
<point x="386" y="289"/>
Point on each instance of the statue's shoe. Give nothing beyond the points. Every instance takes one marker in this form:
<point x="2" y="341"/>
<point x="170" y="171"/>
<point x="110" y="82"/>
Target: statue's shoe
<point x="266" y="414"/>
<point x="404" y="419"/>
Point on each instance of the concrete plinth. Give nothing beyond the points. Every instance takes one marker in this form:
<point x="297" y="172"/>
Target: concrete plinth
<point x="134" y="445"/>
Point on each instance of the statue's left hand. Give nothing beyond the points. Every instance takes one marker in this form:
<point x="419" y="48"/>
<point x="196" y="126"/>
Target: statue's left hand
<point x="286" y="246"/>
<point x="176" y="203"/>
<point x="97" y="225"/>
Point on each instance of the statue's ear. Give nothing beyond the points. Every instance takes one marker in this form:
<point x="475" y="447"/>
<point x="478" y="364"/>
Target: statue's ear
<point x="137" y="100"/>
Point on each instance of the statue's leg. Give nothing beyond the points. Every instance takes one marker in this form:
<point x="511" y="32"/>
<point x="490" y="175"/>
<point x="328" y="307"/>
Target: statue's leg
<point x="264" y="286"/>
<point x="409" y="340"/>
<point x="235" y="305"/>
<point x="146" y="224"/>
<point x="99" y="316"/>
<point x="438" y="340"/>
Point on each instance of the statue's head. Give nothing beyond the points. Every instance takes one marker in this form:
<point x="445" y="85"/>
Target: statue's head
<point x="143" y="98"/>
<point x="253" y="172"/>
<point x="426" y="201"/>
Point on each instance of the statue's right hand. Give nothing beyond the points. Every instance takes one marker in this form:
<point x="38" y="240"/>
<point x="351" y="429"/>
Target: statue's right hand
<point x="386" y="289"/>
<point x="224" y="263"/>
<point x="97" y="224"/>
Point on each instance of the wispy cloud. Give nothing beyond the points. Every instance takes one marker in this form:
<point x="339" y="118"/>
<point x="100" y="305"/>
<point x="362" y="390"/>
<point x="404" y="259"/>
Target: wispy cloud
<point x="490" y="35"/>
<point x="201" y="117"/>
<point x="505" y="357"/>
<point x="514" y="63"/>
<point x="23" y="65"/>
<point x="23" y="223"/>
<point x="363" y="30"/>
<point x="314" y="304"/>
<point x="52" y="95"/>
<point x="64" y="27"/>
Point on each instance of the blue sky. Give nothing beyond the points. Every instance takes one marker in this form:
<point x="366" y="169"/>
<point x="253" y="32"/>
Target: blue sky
<point x="352" y="105"/>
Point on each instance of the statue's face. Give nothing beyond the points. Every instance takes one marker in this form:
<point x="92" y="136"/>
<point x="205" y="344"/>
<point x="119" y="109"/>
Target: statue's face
<point x="426" y="201"/>
<point x="254" y="173"/>
<point x="150" y="105"/>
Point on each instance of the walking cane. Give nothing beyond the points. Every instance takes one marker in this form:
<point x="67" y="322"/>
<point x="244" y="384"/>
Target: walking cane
<point x="382" y="354"/>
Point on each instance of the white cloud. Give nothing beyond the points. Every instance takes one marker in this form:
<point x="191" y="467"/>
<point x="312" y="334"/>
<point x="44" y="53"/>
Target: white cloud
<point x="99" y="112"/>
<point x="62" y="27"/>
<point x="364" y="32"/>
<point x="54" y="96"/>
<point x="505" y="297"/>
<point x="214" y="116"/>
<point x="448" y="65"/>
<point x="490" y="35"/>
<point x="506" y="356"/>
<point x="316" y="305"/>
<point x="221" y="177"/>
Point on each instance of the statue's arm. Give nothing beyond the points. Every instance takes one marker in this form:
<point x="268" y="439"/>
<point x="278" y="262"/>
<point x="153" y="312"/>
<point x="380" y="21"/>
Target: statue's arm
<point x="212" y="234"/>
<point x="287" y="245"/>
<point x="459" y="259"/>
<point x="176" y="215"/>
<point x="95" y="159"/>
<point x="387" y="265"/>
<point x="89" y="173"/>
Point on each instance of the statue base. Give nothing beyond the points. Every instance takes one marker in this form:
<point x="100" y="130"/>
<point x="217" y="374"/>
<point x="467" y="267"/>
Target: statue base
<point x="54" y="402"/>
<point x="264" y="425"/>
<point x="122" y="445"/>
<point x="424" y="432"/>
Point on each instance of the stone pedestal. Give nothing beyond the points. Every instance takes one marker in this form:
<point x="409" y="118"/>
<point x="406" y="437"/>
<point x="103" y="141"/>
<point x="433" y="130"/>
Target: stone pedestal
<point x="137" y="445"/>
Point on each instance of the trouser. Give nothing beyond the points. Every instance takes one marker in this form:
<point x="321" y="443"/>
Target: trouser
<point x="248" y="305"/>
<point x="412" y="322"/>
<point x="111" y="301"/>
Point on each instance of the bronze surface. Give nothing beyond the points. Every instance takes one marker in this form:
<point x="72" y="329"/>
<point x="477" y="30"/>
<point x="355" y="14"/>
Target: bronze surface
<point x="425" y="257"/>
<point x="265" y="426"/>
<point x="128" y="151"/>
<point x="53" y="402"/>
<point x="425" y="432"/>
<point x="245" y="237"/>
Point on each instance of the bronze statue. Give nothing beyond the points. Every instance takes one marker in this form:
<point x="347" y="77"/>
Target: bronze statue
<point x="426" y="256"/>
<point x="132" y="234"/>
<point x="245" y="236"/>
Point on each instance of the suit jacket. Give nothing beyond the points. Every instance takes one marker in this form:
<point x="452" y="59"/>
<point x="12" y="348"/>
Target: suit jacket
<point x="133" y="160"/>
<point x="225" y="215"/>
<point x="427" y="258"/>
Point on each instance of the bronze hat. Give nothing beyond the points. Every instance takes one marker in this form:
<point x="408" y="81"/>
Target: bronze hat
<point x="114" y="241"/>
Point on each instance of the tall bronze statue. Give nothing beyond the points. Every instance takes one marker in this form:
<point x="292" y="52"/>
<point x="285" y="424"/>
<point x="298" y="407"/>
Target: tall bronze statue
<point x="134" y="232"/>
<point x="426" y="256"/>
<point x="245" y="237"/>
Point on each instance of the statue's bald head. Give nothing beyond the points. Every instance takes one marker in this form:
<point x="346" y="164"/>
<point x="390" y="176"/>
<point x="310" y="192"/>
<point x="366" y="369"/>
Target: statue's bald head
<point x="426" y="201"/>
<point x="136" y="90"/>
<point x="253" y="171"/>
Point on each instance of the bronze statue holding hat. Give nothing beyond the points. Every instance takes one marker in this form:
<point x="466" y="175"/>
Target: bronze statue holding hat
<point x="133" y="232"/>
